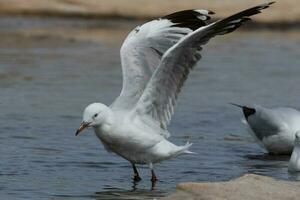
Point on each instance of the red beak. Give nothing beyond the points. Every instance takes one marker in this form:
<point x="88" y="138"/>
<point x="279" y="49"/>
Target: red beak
<point x="82" y="126"/>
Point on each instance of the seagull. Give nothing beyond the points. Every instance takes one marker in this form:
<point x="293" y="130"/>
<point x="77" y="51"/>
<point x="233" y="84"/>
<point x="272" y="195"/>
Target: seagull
<point x="294" y="163"/>
<point x="156" y="60"/>
<point x="273" y="128"/>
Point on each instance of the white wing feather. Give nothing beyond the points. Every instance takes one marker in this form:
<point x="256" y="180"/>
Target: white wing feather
<point x="143" y="48"/>
<point x="159" y="97"/>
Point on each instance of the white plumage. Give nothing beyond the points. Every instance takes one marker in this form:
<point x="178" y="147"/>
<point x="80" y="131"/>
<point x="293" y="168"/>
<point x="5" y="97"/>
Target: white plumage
<point x="156" y="60"/>
<point x="294" y="163"/>
<point x="273" y="128"/>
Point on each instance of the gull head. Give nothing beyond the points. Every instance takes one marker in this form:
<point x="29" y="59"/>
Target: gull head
<point x="95" y="114"/>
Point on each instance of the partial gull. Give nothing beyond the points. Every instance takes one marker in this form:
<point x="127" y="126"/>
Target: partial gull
<point x="273" y="128"/>
<point x="156" y="60"/>
<point x="294" y="163"/>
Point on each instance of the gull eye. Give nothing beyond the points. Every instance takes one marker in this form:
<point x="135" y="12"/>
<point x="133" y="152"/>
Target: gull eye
<point x="95" y="115"/>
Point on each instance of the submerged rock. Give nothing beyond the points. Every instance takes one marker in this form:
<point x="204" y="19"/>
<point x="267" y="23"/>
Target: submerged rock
<point x="247" y="187"/>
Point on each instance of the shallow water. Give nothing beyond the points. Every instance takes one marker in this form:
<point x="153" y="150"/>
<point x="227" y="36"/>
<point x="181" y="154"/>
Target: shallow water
<point x="46" y="82"/>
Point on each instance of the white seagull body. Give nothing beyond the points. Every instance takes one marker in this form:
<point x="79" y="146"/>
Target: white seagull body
<point x="274" y="129"/>
<point x="156" y="60"/>
<point x="294" y="163"/>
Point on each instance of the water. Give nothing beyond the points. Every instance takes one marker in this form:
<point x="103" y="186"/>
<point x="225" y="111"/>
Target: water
<point x="46" y="82"/>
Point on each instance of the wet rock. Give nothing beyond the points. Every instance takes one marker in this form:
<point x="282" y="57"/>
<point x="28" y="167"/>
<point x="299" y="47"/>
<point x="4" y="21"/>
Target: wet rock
<point x="247" y="187"/>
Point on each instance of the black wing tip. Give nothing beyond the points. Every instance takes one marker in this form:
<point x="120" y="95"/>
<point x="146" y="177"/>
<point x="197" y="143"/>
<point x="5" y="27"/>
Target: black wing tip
<point x="233" y="22"/>
<point x="237" y="105"/>
<point x="270" y="3"/>
<point x="211" y="12"/>
<point x="203" y="11"/>
<point x="190" y="14"/>
<point x="247" y="111"/>
<point x="192" y="19"/>
<point x="265" y="5"/>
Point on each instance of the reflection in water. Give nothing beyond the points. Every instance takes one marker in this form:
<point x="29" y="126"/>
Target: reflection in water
<point x="268" y="157"/>
<point x="266" y="164"/>
<point x="111" y="193"/>
<point x="294" y="176"/>
<point x="117" y="193"/>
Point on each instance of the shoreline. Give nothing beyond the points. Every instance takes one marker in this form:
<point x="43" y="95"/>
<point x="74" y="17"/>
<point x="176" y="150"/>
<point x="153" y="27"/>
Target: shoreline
<point x="252" y="25"/>
<point x="281" y="15"/>
<point x="246" y="187"/>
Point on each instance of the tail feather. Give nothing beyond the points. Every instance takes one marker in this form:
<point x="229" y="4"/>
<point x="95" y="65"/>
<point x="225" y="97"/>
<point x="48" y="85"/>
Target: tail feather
<point x="185" y="149"/>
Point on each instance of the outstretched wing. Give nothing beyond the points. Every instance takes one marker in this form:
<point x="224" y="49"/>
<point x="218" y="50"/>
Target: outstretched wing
<point x="160" y="95"/>
<point x="143" y="48"/>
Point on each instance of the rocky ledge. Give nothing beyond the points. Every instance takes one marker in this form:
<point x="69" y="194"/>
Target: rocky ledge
<point x="247" y="187"/>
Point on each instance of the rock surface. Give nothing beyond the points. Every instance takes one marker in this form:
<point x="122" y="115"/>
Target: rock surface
<point x="247" y="187"/>
<point x="282" y="11"/>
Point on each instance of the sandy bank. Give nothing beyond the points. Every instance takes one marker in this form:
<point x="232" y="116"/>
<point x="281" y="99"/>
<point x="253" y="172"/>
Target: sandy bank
<point x="247" y="187"/>
<point x="286" y="11"/>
